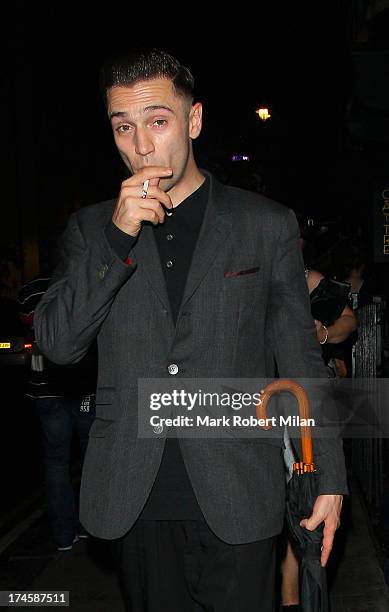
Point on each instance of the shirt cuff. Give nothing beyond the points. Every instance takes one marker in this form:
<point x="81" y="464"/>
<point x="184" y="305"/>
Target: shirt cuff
<point x="120" y="242"/>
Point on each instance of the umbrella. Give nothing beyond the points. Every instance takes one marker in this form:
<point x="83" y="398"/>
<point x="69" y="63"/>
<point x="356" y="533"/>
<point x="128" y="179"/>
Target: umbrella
<point x="300" y="498"/>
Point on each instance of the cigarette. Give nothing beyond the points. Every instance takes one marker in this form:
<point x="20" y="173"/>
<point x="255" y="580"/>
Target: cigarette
<point x="145" y="188"/>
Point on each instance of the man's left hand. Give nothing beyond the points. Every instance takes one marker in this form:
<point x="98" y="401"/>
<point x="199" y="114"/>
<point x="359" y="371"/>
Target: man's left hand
<point x="327" y="508"/>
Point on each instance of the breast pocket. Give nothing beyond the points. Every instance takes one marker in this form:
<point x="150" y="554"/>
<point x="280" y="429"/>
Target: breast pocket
<point x="242" y="277"/>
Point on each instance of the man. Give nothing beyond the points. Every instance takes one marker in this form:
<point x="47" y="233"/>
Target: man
<point x="64" y="398"/>
<point x="183" y="277"/>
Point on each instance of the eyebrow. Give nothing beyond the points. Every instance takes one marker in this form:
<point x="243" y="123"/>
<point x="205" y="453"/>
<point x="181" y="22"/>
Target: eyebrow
<point x="147" y="109"/>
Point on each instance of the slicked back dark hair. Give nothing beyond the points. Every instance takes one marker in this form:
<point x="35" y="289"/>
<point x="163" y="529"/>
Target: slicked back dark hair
<point x="143" y="65"/>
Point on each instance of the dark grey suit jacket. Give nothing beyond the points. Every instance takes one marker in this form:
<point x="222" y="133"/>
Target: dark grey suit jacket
<point x="228" y="326"/>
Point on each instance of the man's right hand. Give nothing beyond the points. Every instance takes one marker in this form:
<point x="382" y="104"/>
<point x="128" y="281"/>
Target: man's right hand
<point x="131" y="209"/>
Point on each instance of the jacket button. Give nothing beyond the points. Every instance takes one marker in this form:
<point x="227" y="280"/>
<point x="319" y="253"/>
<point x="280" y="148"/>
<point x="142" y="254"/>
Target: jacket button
<point x="103" y="270"/>
<point x="173" y="369"/>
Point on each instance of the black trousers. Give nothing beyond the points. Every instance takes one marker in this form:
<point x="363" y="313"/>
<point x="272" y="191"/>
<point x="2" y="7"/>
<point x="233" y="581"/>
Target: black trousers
<point x="181" y="566"/>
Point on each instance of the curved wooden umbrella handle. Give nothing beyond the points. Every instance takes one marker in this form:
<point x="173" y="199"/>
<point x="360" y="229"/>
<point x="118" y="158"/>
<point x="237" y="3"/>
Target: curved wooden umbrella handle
<point x="303" y="405"/>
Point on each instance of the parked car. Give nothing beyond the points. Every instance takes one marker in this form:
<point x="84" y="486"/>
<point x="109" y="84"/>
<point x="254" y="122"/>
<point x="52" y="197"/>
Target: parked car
<point x="15" y="338"/>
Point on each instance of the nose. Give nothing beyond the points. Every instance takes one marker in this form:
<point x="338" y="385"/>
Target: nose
<point x="143" y="143"/>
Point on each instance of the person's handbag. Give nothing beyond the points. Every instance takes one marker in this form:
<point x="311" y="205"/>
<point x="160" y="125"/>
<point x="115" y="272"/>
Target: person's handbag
<point x="328" y="300"/>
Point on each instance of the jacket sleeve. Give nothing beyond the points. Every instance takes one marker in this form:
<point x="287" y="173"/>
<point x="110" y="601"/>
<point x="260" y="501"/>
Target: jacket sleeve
<point x="292" y="336"/>
<point x="81" y="292"/>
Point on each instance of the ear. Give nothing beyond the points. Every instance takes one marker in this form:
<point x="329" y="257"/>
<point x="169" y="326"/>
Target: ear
<point x="195" y="120"/>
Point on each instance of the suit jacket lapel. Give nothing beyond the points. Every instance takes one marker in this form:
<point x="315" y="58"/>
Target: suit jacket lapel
<point x="214" y="232"/>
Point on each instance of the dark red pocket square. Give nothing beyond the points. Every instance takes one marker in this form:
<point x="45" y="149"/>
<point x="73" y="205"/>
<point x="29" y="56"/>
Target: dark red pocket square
<point x="241" y="272"/>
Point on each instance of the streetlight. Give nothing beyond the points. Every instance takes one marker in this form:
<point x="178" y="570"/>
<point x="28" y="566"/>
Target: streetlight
<point x="263" y="113"/>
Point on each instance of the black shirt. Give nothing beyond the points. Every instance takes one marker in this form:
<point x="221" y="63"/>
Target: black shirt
<point x="172" y="495"/>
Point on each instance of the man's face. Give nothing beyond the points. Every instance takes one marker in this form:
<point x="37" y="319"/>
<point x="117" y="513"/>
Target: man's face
<point x="153" y="126"/>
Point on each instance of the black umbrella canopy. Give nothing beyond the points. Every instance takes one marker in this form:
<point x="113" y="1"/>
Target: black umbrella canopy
<point x="301" y="496"/>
